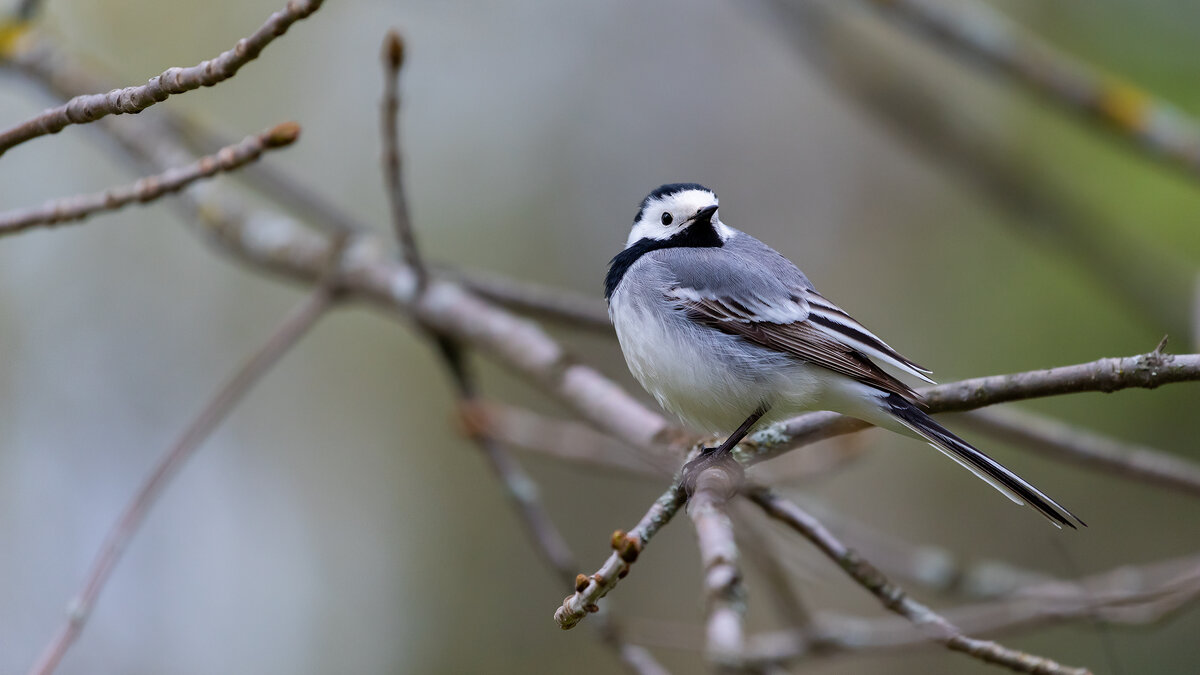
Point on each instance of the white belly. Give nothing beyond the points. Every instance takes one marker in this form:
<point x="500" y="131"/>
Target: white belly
<point x="711" y="380"/>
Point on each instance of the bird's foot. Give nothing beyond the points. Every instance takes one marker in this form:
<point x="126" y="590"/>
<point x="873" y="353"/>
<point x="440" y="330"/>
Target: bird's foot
<point x="710" y="458"/>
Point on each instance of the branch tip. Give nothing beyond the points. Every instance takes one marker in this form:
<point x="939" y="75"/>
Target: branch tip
<point x="393" y="50"/>
<point x="282" y="134"/>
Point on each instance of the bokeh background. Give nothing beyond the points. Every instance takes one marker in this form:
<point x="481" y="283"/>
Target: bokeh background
<point x="339" y="522"/>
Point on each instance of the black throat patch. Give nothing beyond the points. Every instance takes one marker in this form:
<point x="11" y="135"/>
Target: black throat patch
<point x="697" y="235"/>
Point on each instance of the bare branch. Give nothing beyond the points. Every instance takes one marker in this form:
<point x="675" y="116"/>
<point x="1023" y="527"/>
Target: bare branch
<point x="1074" y="444"/>
<point x="931" y="567"/>
<point x="1160" y="129"/>
<point x="724" y="594"/>
<point x="1129" y="595"/>
<point x="148" y="189"/>
<point x="131" y="100"/>
<point x="295" y="326"/>
<point x="540" y="302"/>
<point x="568" y="441"/>
<point x="896" y="600"/>
<point x="626" y="548"/>
<point x="1146" y="371"/>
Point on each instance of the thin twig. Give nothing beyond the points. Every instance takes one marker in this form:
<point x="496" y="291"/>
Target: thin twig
<point x="520" y="487"/>
<point x="896" y="599"/>
<point x="1158" y="128"/>
<point x="724" y="595"/>
<point x="1074" y="444"/>
<point x="148" y="189"/>
<point x="393" y="61"/>
<point x="540" y="302"/>
<point x="285" y="336"/>
<point x="932" y="567"/>
<point x="568" y="441"/>
<point x="1127" y="595"/>
<point x="626" y="548"/>
<point x="130" y="100"/>
<point x="762" y="555"/>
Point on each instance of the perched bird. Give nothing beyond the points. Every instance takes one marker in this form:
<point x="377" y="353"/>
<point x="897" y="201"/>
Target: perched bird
<point x="724" y="332"/>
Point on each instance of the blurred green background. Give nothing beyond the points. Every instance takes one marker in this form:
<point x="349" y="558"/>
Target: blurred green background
<point x="339" y="523"/>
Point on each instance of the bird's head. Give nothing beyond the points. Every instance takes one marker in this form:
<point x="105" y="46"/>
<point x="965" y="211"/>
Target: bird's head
<point x="679" y="214"/>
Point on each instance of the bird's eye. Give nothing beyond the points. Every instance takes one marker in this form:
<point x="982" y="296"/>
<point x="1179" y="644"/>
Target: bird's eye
<point x="666" y="219"/>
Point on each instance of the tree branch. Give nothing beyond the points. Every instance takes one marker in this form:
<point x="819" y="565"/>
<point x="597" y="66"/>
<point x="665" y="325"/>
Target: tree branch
<point x="626" y="548"/>
<point x="579" y="444"/>
<point x="131" y="100"/>
<point x="724" y="595"/>
<point x="148" y="189"/>
<point x="896" y="600"/>
<point x="539" y="302"/>
<point x="1130" y="595"/>
<point x="1146" y="371"/>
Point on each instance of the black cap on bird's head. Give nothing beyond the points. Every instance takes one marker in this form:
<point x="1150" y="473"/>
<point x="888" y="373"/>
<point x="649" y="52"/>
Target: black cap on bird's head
<point x="668" y="190"/>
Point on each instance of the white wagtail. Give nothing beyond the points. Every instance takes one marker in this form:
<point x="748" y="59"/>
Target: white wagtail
<point x="724" y="332"/>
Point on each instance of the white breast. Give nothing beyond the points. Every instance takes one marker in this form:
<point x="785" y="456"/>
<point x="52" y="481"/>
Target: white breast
<point x="710" y="379"/>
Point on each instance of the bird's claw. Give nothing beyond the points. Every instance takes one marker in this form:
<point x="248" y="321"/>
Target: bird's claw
<point x="707" y="459"/>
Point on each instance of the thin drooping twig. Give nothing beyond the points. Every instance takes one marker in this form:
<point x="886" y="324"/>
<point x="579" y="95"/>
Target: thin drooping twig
<point x="626" y="548"/>
<point x="1160" y="129"/>
<point x="1128" y="595"/>
<point x="724" y="595"/>
<point x="285" y="336"/>
<point x="520" y="487"/>
<point x="896" y="600"/>
<point x="147" y="189"/>
<point x="130" y="100"/>
<point x="1078" y="445"/>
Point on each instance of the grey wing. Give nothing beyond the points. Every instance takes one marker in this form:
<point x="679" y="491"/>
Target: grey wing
<point x="748" y="289"/>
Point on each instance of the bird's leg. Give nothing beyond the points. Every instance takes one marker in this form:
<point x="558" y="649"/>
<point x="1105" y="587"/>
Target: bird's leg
<point x="710" y="457"/>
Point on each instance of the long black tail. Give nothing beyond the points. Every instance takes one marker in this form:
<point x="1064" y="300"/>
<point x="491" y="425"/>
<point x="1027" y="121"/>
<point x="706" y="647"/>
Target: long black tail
<point x="1010" y="484"/>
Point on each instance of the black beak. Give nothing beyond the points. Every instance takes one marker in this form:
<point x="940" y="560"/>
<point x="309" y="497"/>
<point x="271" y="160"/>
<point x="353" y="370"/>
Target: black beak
<point x="704" y="215"/>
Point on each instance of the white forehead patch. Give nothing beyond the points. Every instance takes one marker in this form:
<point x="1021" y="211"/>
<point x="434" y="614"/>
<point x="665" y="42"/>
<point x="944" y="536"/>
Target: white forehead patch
<point x="682" y="206"/>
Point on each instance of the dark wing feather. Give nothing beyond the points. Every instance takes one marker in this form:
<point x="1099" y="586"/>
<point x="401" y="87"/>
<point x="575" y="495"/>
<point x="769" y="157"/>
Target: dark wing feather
<point x="802" y="339"/>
